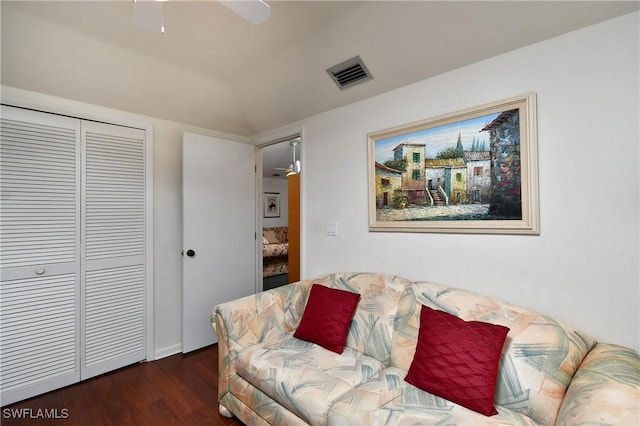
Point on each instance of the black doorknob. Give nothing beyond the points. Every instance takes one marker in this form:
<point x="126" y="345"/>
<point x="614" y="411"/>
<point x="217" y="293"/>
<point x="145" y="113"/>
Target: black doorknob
<point x="191" y="253"/>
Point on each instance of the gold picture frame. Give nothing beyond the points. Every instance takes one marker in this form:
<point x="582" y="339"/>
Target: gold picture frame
<point x="471" y="171"/>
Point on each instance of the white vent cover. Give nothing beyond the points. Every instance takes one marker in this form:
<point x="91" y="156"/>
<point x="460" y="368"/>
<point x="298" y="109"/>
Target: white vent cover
<point x="350" y="72"/>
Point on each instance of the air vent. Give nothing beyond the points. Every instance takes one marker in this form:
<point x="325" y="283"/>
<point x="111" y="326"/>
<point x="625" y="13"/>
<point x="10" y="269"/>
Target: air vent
<point x="350" y="72"/>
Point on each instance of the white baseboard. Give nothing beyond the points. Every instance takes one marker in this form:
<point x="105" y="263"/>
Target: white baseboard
<point x="168" y="351"/>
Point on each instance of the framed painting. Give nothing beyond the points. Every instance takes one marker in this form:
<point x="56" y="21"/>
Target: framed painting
<point x="271" y="201"/>
<point x="471" y="171"/>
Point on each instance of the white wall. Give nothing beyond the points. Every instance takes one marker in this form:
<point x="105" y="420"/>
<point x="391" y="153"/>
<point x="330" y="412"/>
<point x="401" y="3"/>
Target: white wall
<point x="280" y="186"/>
<point x="583" y="268"/>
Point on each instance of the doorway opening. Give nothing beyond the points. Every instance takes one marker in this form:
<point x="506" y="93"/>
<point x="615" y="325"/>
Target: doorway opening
<point x="280" y="212"/>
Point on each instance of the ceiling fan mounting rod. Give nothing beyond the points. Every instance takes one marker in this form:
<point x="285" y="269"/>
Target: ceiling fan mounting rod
<point x="295" y="166"/>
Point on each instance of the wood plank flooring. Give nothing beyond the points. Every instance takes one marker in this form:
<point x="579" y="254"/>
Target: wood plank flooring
<point x="177" y="390"/>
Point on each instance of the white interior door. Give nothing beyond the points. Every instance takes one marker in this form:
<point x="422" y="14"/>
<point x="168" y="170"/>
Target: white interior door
<point x="219" y="263"/>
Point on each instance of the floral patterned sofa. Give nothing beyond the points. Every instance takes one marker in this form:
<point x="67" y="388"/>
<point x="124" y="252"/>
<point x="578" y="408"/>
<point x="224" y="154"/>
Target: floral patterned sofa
<point x="275" y="251"/>
<point x="549" y="373"/>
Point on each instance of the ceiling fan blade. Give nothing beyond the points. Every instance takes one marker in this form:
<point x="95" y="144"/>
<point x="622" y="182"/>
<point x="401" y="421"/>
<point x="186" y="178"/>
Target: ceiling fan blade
<point x="147" y="15"/>
<point x="254" y="11"/>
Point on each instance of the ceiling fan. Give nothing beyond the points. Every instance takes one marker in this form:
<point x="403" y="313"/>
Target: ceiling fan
<point x="149" y="14"/>
<point x="294" y="168"/>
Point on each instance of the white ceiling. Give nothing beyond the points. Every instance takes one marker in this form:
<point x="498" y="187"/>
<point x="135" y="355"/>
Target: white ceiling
<point x="213" y="69"/>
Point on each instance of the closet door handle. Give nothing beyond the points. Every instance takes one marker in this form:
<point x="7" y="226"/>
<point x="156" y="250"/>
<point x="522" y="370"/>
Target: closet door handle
<point x="39" y="271"/>
<point x="191" y="253"/>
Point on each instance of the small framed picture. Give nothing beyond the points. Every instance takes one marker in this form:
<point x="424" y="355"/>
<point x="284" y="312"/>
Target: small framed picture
<point x="271" y="201"/>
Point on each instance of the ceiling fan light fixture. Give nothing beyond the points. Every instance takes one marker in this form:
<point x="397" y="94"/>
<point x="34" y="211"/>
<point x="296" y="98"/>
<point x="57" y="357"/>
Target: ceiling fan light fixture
<point x="294" y="168"/>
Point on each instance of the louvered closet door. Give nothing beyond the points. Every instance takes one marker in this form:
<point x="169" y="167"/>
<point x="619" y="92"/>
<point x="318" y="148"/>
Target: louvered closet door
<point x="39" y="253"/>
<point x="113" y="233"/>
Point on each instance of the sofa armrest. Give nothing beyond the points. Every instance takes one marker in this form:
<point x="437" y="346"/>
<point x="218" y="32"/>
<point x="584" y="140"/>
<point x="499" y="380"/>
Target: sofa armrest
<point x="605" y="389"/>
<point x="254" y="319"/>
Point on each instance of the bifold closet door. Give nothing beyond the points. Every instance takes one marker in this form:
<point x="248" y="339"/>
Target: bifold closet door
<point x="113" y="247"/>
<point x="40" y="252"/>
<point x="72" y="258"/>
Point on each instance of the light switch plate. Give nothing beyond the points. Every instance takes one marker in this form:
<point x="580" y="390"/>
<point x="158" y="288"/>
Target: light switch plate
<point x="331" y="228"/>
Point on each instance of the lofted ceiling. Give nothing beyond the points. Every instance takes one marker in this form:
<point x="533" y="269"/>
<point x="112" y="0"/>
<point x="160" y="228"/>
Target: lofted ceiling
<point x="215" y="70"/>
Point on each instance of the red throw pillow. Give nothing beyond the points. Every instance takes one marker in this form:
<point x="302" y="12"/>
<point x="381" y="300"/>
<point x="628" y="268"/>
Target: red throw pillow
<point x="458" y="360"/>
<point x="327" y="317"/>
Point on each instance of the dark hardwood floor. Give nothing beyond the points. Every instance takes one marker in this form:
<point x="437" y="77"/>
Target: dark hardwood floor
<point x="177" y="390"/>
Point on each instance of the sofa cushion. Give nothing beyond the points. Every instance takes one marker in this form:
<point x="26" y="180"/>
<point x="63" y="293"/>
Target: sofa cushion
<point x="270" y="235"/>
<point x="458" y="360"/>
<point x="387" y="399"/>
<point x="372" y="325"/>
<point x="327" y="317"/>
<point x="302" y="376"/>
<point x="276" y="234"/>
<point x="539" y="357"/>
<point x="275" y="250"/>
<point x="253" y="407"/>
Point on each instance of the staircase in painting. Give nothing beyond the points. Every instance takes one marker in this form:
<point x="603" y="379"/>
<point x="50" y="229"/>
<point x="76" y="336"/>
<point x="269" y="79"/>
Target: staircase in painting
<point x="437" y="199"/>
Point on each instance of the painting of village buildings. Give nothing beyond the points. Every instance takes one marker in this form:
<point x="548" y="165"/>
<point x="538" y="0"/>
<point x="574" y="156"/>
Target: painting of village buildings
<point x="464" y="170"/>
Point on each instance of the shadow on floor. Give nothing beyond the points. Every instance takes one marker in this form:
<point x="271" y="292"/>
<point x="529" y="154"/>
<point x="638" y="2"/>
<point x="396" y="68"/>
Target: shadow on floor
<point x="275" y="281"/>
